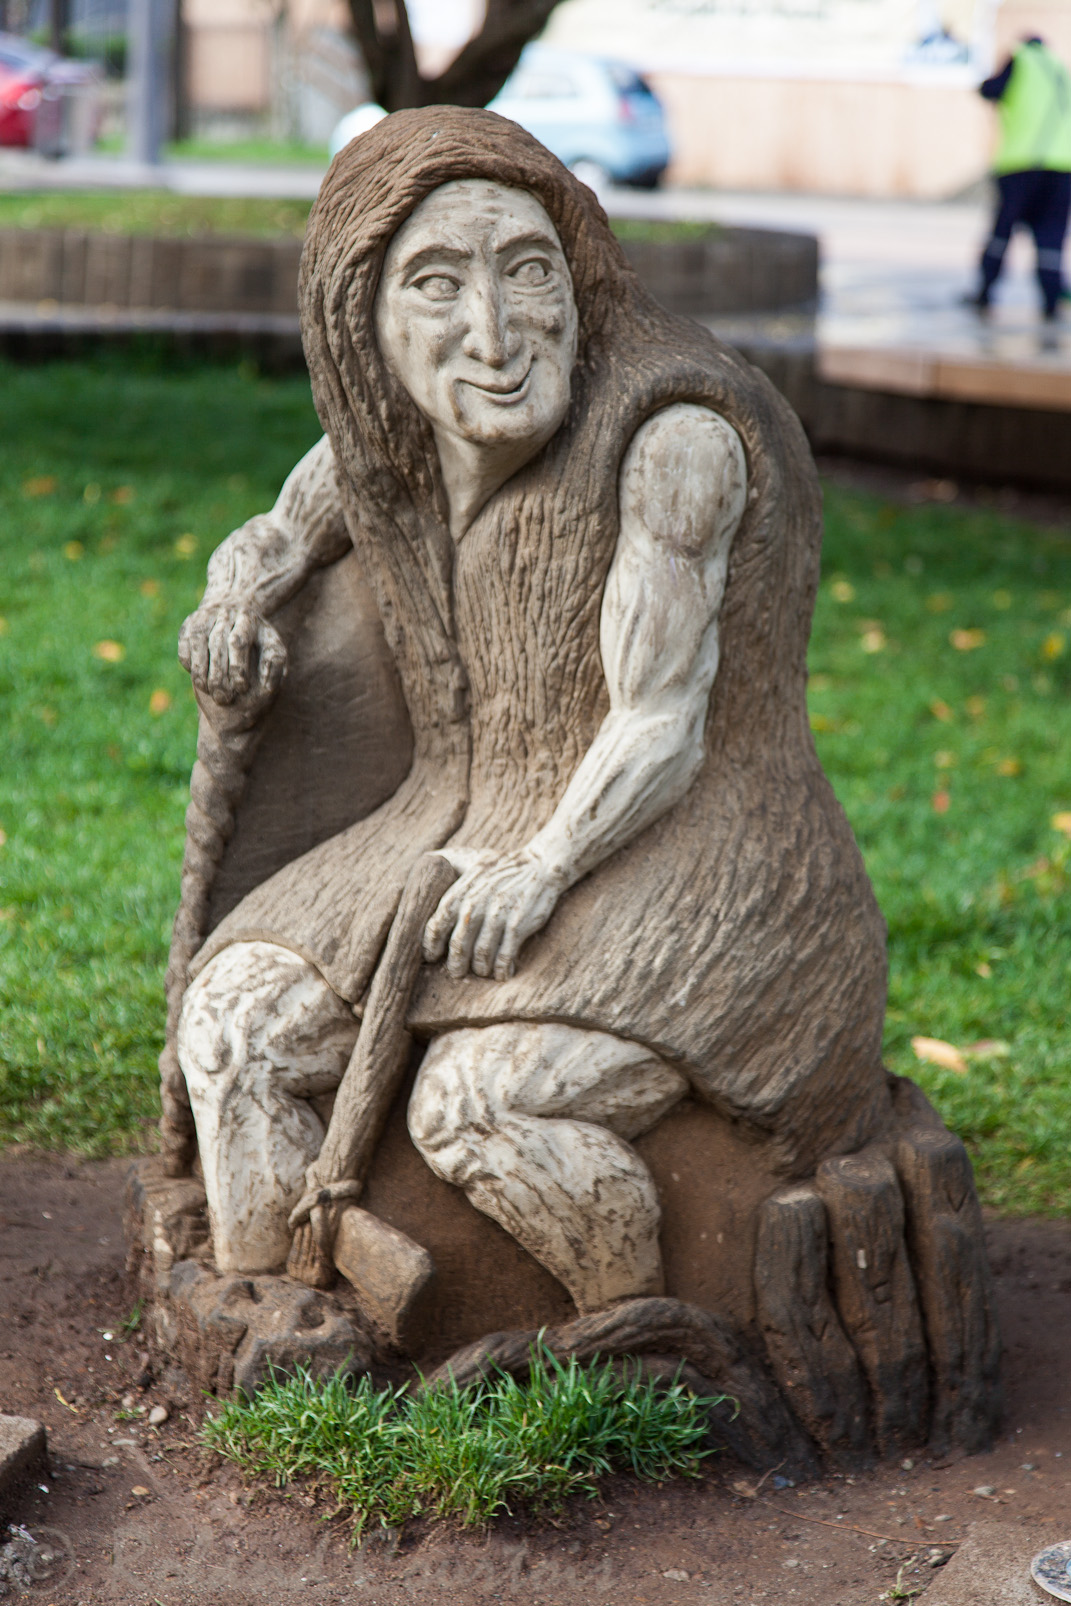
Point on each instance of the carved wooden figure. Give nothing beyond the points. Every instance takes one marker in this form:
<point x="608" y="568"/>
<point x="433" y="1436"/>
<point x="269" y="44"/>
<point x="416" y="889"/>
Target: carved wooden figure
<point x="516" y="905"/>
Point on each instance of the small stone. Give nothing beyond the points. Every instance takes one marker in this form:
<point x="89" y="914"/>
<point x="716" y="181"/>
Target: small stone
<point x="1028" y="1466"/>
<point x="128" y="1402"/>
<point x="945" y="1517"/>
<point x="158" y="1416"/>
<point x="791" y="1562"/>
<point x="676" y="1573"/>
<point x="140" y="1490"/>
<point x="986" y="1490"/>
<point x="908" y="1464"/>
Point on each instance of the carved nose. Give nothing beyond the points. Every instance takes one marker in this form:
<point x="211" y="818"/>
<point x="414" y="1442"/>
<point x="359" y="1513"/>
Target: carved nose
<point x="490" y="339"/>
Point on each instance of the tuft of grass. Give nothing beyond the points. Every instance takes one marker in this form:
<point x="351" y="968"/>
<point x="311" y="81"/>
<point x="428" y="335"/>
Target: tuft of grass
<point x="388" y="1455"/>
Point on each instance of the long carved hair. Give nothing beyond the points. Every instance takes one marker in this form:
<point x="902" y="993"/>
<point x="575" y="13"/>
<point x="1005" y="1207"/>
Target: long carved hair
<point x="389" y="471"/>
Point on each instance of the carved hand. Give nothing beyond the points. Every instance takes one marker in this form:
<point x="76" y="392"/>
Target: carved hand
<point x="500" y="901"/>
<point x="233" y="655"/>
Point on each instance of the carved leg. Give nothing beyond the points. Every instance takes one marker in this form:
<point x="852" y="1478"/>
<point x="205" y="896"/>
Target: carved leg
<point x="530" y="1120"/>
<point x="875" y="1291"/>
<point x="261" y="1034"/>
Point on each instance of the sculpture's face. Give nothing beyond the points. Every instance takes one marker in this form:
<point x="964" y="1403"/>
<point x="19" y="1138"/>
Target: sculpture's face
<point x="475" y="314"/>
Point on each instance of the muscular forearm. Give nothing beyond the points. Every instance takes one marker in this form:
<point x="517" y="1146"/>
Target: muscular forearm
<point x="639" y="765"/>
<point x="262" y="564"/>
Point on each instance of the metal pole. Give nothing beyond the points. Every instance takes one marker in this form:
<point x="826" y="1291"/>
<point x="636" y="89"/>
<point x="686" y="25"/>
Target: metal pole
<point x="148" y="87"/>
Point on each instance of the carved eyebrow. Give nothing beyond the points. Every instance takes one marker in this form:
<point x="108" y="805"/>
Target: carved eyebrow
<point x="430" y="254"/>
<point x="531" y="237"/>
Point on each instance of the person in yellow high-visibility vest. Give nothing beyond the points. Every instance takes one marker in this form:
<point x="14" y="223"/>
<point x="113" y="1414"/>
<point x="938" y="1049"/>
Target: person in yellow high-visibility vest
<point x="1032" y="93"/>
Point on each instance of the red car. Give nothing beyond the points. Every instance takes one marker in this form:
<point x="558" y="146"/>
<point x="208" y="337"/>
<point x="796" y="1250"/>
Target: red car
<point x="39" y="94"/>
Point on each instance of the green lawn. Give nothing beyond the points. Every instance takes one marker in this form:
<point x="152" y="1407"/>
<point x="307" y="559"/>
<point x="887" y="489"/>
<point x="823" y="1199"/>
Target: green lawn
<point x="160" y="212"/>
<point x="115" y="483"/>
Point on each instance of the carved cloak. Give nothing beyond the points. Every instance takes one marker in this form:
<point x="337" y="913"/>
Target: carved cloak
<point x="738" y="935"/>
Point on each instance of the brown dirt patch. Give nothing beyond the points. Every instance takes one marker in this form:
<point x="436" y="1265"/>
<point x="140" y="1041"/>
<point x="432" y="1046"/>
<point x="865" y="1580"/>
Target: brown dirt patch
<point x="197" y="1537"/>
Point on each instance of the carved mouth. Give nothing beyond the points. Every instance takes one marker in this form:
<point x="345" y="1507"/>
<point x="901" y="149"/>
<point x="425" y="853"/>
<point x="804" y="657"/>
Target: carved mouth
<point x="502" y="393"/>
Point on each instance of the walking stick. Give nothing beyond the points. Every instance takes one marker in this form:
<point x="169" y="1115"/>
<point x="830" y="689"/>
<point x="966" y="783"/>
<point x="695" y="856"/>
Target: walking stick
<point x="371" y="1079"/>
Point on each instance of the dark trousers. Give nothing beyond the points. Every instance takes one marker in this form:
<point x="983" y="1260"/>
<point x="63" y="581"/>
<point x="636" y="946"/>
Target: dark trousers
<point x="1041" y="201"/>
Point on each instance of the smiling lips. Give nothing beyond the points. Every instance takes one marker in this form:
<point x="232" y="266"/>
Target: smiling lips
<point x="501" y="393"/>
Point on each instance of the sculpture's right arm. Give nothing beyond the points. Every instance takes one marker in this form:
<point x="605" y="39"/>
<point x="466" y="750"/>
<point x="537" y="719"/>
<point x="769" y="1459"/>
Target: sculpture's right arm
<point x="228" y="645"/>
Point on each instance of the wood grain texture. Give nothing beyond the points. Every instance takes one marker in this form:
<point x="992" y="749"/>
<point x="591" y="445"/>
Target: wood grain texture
<point x="947" y="1242"/>
<point x="875" y="1292"/>
<point x="730" y="917"/>
<point x="809" y="1353"/>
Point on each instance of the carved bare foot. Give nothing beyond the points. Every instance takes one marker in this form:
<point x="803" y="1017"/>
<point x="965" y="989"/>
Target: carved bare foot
<point x="875" y="1301"/>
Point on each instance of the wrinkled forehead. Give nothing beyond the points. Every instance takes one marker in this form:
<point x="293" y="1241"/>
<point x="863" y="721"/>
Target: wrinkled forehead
<point x="469" y="214"/>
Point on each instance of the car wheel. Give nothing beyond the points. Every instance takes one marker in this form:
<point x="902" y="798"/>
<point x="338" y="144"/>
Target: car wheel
<point x="593" y="174"/>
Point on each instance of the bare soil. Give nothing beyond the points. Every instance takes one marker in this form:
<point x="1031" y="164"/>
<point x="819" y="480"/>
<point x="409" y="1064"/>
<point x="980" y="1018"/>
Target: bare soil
<point x="138" y="1516"/>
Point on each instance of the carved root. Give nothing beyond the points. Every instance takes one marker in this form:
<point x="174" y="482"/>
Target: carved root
<point x="762" y="1434"/>
<point x="875" y="1300"/>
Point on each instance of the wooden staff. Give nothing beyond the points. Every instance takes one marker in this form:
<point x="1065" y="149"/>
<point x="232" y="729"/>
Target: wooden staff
<point x="371" y="1080"/>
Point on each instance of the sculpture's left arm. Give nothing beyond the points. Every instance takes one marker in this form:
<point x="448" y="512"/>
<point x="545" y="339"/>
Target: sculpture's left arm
<point x="683" y="490"/>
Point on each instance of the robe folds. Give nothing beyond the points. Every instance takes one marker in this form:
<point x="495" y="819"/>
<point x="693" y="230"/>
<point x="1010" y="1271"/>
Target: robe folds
<point x="738" y="935"/>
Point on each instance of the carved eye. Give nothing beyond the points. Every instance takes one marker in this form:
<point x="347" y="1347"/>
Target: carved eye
<point x="532" y="272"/>
<point x="438" y="287"/>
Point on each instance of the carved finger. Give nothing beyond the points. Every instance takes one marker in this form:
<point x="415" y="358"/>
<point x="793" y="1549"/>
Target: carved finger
<point x="438" y="929"/>
<point x="466" y="934"/>
<point x="486" y="948"/>
<point x="219" y="685"/>
<point x="271" y="665"/>
<point x="508" y="949"/>
<point x="239" y="649"/>
<point x="193" y="651"/>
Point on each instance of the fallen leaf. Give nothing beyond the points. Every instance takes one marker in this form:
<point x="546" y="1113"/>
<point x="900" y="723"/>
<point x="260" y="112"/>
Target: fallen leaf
<point x="940" y="710"/>
<point x="122" y="494"/>
<point x="944" y="760"/>
<point x="873" y="640"/>
<point x="73" y="551"/>
<point x="3" y="836"/>
<point x="91" y="494"/>
<point x="746" y="1491"/>
<point x="975" y="707"/>
<point x="1062" y="822"/>
<point x="985" y="970"/>
<point x="186" y="546"/>
<point x="988" y="1048"/>
<point x="933" y="1051"/>
<point x="843" y="591"/>
<point x="1009" y="766"/>
<point x="1054" y="646"/>
<point x="40" y="485"/>
<point x="110" y="651"/>
<point x="942" y="801"/>
<point x="160" y="701"/>
<point x="940" y="602"/>
<point x="150" y="588"/>
<point x="967" y="640"/>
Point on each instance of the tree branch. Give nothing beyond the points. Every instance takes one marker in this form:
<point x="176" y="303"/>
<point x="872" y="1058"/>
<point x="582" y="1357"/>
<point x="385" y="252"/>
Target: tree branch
<point x="474" y="77"/>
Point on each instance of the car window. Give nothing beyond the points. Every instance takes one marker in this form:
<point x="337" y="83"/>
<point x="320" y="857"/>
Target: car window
<point x="629" y="82"/>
